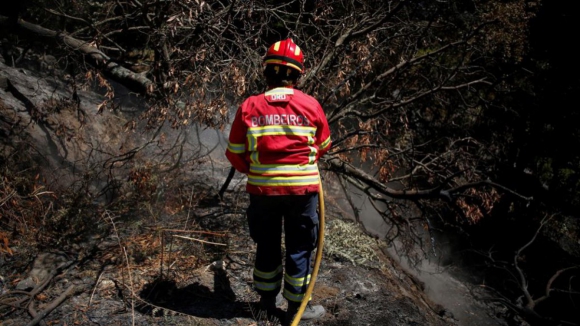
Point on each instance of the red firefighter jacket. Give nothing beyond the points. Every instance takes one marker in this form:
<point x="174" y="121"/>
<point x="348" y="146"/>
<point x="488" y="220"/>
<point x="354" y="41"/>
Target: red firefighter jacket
<point x="276" y="139"/>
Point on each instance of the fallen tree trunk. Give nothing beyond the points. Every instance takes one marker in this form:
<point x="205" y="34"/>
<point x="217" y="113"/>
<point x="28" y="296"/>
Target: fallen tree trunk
<point x="53" y="305"/>
<point x="133" y="81"/>
<point x="338" y="165"/>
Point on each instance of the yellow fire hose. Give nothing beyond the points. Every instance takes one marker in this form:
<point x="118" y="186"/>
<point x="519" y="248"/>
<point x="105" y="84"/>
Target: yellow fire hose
<point x="318" y="257"/>
<point x="319" y="247"/>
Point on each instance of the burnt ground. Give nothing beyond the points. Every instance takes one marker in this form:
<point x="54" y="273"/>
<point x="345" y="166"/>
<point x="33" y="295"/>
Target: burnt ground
<point x="158" y="252"/>
<point x="164" y="275"/>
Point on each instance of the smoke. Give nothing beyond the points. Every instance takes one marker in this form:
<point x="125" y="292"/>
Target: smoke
<point x="443" y="285"/>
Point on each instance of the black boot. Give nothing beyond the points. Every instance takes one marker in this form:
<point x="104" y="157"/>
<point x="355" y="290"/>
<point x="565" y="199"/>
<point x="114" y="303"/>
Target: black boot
<point x="268" y="308"/>
<point x="270" y="302"/>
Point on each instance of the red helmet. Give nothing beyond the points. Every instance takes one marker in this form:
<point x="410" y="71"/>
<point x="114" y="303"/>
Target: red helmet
<point x="285" y="53"/>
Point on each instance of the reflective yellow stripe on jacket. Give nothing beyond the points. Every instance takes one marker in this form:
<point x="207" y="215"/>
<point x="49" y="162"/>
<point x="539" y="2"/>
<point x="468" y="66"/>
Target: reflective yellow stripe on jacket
<point x="267" y="169"/>
<point x="237" y="148"/>
<point x="325" y="143"/>
<point x="280" y="90"/>
<point x="255" y="132"/>
<point x="283" y="181"/>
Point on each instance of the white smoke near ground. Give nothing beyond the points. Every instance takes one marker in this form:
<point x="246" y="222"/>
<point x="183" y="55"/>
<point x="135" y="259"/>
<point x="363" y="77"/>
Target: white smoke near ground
<point x="441" y="284"/>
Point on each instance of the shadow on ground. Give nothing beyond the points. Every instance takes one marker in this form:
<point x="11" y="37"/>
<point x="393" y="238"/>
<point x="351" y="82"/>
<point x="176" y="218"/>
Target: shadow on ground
<point x="198" y="300"/>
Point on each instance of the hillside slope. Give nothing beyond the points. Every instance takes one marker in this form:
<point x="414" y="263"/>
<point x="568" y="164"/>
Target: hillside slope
<point x="128" y="230"/>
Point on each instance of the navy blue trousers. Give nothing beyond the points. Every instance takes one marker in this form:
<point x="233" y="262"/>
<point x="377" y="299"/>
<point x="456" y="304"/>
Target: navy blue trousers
<point x="299" y="217"/>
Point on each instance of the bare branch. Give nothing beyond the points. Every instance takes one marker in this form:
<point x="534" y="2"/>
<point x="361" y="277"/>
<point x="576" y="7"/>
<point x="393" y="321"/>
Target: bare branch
<point x="134" y="81"/>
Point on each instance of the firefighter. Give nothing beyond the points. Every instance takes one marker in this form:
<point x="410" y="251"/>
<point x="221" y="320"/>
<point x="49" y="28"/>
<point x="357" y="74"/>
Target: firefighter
<point x="276" y="139"/>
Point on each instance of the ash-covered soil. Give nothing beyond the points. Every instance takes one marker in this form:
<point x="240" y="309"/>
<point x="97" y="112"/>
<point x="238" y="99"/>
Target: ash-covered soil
<point x="171" y="257"/>
<point x="167" y="274"/>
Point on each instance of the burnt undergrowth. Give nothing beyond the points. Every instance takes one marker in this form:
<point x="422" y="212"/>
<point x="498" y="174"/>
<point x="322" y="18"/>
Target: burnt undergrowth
<point x="516" y="257"/>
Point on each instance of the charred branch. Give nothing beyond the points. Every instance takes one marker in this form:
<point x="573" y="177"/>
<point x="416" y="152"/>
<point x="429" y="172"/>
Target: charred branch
<point x="132" y="80"/>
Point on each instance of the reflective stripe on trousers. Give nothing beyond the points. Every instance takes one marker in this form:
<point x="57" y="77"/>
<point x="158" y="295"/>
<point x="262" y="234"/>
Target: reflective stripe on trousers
<point x="266" y="216"/>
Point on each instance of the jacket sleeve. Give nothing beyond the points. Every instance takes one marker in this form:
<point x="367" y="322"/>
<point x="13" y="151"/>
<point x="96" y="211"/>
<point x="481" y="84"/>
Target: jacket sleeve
<point x="322" y="133"/>
<point x="236" y="151"/>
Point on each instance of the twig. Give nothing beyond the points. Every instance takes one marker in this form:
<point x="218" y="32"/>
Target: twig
<point x="132" y="287"/>
<point x="523" y="282"/>
<point x="12" y="292"/>
<point x="549" y="288"/>
<point x="128" y="267"/>
<point x="7" y="198"/>
<point x="162" y="253"/>
<point x="202" y="232"/>
<point x="188" y="208"/>
<point x="32" y="311"/>
<point x="37" y="289"/>
<point x="95" y="288"/>
<point x="52" y="306"/>
<point x="198" y="240"/>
